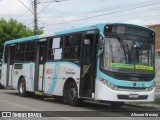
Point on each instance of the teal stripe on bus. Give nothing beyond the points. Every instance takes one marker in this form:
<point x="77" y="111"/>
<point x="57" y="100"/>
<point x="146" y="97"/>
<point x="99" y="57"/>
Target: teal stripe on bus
<point x="54" y="80"/>
<point x="63" y="62"/>
<point x="124" y="83"/>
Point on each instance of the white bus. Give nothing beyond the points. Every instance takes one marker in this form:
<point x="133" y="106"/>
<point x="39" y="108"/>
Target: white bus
<point x="103" y="62"/>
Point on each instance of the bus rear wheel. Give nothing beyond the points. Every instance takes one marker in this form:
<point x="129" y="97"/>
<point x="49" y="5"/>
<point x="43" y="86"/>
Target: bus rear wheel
<point x="72" y="94"/>
<point x="22" y="87"/>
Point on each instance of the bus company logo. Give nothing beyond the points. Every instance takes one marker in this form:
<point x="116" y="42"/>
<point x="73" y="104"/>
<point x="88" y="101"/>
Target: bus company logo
<point x="6" y="114"/>
<point x="49" y="71"/>
<point x="134" y="84"/>
<point x="16" y="72"/>
<point x="70" y="72"/>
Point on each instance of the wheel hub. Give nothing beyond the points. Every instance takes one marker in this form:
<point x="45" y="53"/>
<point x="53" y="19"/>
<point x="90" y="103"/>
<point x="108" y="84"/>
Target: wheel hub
<point x="72" y="93"/>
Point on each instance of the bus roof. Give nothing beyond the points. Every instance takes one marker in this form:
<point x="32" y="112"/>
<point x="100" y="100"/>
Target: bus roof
<point x="31" y="38"/>
<point x="91" y="27"/>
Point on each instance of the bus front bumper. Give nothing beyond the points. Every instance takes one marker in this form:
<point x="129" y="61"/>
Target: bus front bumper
<point x="107" y="94"/>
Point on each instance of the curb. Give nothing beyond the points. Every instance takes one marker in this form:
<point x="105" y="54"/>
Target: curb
<point x="151" y="106"/>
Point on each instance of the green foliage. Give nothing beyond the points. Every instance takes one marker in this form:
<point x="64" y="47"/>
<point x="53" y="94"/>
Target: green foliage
<point x="157" y="100"/>
<point x="12" y="29"/>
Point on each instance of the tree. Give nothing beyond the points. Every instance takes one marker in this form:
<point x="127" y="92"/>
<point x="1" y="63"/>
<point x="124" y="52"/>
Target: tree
<point x="12" y="29"/>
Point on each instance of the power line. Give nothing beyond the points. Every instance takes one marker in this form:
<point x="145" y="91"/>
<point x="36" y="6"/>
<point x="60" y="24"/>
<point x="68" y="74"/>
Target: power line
<point x="129" y="14"/>
<point x="108" y="13"/>
<point x="25" y="6"/>
<point x="54" y="15"/>
<point x="30" y="23"/>
<point x="92" y="11"/>
<point x="102" y="10"/>
<point x="53" y="1"/>
<point x="45" y="7"/>
<point x="50" y="1"/>
<point x="89" y="12"/>
<point x="28" y="20"/>
<point x="21" y="14"/>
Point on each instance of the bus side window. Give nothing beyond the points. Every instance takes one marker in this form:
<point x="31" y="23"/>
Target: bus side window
<point x="54" y="48"/>
<point x="30" y="51"/>
<point x="20" y="48"/>
<point x="72" y="47"/>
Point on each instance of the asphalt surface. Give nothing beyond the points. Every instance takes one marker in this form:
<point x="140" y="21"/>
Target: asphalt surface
<point x="11" y="101"/>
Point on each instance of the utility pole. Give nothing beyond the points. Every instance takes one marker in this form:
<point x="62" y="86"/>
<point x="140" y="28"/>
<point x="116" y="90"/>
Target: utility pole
<point x="35" y="18"/>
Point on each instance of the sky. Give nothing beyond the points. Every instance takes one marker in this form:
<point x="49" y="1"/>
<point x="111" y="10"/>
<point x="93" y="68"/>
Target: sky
<point x="67" y="14"/>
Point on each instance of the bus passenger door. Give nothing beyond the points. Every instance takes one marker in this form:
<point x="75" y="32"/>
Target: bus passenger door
<point x="41" y="62"/>
<point x="88" y="64"/>
<point x="10" y="64"/>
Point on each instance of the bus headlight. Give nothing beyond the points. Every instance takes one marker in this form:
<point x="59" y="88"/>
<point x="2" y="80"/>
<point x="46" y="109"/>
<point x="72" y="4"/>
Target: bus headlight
<point x="150" y="88"/>
<point x="109" y="84"/>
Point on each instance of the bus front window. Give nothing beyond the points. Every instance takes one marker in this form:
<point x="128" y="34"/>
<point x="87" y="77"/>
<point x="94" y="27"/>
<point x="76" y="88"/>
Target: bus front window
<point x="127" y="56"/>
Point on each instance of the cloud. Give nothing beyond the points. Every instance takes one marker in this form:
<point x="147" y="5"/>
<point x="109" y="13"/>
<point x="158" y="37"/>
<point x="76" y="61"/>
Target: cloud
<point x="10" y="8"/>
<point x="139" y="21"/>
<point x="65" y="11"/>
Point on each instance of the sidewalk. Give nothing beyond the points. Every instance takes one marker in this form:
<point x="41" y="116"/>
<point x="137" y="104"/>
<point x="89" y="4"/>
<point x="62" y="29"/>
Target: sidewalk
<point x="144" y="105"/>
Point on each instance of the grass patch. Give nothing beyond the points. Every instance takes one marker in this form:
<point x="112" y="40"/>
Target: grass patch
<point x="157" y="100"/>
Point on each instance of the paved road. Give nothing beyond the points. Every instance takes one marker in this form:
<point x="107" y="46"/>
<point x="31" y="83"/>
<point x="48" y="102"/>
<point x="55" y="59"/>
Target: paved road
<point x="10" y="101"/>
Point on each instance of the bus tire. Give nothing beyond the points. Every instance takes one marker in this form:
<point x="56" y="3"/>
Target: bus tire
<point x="22" y="87"/>
<point x="72" y="94"/>
<point x="116" y="104"/>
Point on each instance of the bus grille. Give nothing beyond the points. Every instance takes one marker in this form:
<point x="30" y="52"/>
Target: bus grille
<point x="126" y="97"/>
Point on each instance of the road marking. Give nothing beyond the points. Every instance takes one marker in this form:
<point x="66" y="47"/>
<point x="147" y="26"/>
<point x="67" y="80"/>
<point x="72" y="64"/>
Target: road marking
<point x="19" y="105"/>
<point x="128" y="118"/>
<point x="32" y="108"/>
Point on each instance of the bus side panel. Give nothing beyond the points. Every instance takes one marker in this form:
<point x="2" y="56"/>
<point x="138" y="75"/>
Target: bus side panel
<point x="56" y="74"/>
<point x="53" y="81"/>
<point x="4" y="72"/>
<point x="71" y="70"/>
<point x="28" y="72"/>
<point x="10" y="75"/>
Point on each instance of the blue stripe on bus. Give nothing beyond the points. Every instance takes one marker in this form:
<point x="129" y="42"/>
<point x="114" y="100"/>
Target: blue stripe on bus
<point x="22" y="39"/>
<point x="55" y="75"/>
<point x="54" y="81"/>
<point x="63" y="62"/>
<point x="24" y="62"/>
<point x="99" y="26"/>
<point x="80" y="29"/>
<point x="124" y="82"/>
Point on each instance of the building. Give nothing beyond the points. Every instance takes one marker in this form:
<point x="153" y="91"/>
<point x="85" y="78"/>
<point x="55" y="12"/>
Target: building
<point x="156" y="28"/>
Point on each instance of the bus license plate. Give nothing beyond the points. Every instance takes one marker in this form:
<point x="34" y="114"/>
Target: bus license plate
<point x="133" y="95"/>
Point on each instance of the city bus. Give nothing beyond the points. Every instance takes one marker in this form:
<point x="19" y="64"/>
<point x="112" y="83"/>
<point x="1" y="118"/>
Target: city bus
<point x="112" y="63"/>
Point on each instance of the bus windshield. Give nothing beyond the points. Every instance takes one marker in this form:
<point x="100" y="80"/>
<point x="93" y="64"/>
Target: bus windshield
<point x="128" y="56"/>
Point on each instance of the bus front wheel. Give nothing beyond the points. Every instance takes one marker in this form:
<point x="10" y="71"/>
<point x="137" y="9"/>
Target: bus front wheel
<point x="22" y="87"/>
<point x="72" y="94"/>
